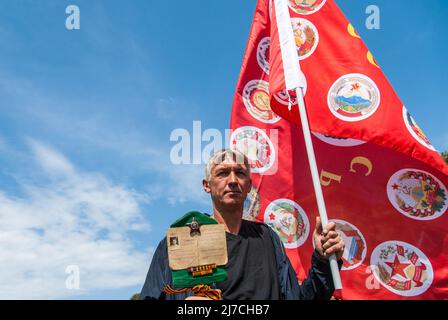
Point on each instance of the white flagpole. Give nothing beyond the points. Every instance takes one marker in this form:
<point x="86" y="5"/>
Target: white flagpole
<point x="295" y="80"/>
<point x="316" y="182"/>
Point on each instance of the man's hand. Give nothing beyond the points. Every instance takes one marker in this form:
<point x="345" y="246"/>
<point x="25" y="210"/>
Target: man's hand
<point x="327" y="240"/>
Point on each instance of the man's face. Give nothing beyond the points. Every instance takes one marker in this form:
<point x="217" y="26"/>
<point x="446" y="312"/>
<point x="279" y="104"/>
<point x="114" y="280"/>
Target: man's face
<point x="229" y="184"/>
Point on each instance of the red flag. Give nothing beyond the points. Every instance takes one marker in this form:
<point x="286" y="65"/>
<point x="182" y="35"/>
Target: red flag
<point x="390" y="207"/>
<point x="348" y="95"/>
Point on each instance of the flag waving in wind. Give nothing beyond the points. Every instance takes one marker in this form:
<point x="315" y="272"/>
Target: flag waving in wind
<point x="347" y="94"/>
<point x="384" y="184"/>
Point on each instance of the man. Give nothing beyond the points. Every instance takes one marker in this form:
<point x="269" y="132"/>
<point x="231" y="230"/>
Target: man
<point x="258" y="268"/>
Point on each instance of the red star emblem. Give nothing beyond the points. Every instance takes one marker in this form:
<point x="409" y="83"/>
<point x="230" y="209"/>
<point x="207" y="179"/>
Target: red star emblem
<point x="397" y="267"/>
<point x="395" y="186"/>
<point x="272" y="216"/>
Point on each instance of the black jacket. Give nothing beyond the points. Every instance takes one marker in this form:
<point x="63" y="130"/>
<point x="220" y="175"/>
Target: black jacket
<point x="317" y="286"/>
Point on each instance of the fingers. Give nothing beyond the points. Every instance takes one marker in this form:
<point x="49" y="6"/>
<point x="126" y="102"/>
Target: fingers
<point x="337" y="249"/>
<point x="318" y="225"/>
<point x="330" y="243"/>
<point x="330" y="235"/>
<point x="331" y="226"/>
<point x="327" y="240"/>
<point x="333" y="246"/>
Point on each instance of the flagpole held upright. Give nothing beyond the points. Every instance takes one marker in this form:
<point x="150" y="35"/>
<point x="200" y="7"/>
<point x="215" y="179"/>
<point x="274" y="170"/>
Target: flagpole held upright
<point x="316" y="182"/>
<point x="295" y="80"/>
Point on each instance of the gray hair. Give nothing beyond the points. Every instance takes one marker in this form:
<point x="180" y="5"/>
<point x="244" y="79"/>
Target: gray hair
<point x="225" y="155"/>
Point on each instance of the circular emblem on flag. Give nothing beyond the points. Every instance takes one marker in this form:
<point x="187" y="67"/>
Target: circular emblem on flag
<point x="306" y="36"/>
<point x="256" y="145"/>
<point x="257" y="101"/>
<point x="415" y="130"/>
<point x="306" y="6"/>
<point x="286" y="98"/>
<point x="401" y="268"/>
<point x="355" y="244"/>
<point x="251" y="205"/>
<point x="289" y="221"/>
<point x="353" y="97"/>
<point x="289" y="98"/>
<point x="263" y="54"/>
<point x="339" y="142"/>
<point x="417" y="194"/>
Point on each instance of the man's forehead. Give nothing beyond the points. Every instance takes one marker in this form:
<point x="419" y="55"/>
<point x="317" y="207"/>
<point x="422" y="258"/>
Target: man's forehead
<point x="229" y="164"/>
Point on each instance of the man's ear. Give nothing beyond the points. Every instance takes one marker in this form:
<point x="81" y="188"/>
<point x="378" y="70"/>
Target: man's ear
<point x="206" y="186"/>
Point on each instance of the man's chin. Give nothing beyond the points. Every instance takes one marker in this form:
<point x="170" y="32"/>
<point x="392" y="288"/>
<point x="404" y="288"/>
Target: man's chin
<point x="233" y="202"/>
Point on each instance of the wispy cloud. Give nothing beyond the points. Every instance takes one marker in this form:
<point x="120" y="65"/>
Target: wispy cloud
<point x="145" y="147"/>
<point x="72" y="218"/>
<point x="51" y="161"/>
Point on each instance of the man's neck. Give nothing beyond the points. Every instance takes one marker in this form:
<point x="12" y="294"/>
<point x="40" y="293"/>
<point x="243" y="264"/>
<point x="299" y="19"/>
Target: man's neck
<point x="231" y="219"/>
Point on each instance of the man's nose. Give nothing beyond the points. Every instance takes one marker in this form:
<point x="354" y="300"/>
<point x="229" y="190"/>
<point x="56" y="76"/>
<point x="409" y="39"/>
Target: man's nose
<point x="232" y="178"/>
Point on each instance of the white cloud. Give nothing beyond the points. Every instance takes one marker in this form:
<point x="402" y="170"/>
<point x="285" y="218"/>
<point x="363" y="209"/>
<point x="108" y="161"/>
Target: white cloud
<point x="51" y="161"/>
<point x="74" y="218"/>
<point x="144" y="147"/>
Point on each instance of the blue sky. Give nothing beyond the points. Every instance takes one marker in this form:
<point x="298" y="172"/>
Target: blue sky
<point x="86" y="117"/>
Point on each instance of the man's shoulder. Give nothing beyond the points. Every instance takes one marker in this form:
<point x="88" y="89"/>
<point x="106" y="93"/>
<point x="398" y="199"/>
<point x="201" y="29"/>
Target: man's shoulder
<point x="162" y="248"/>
